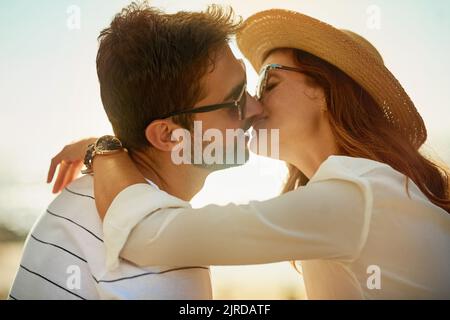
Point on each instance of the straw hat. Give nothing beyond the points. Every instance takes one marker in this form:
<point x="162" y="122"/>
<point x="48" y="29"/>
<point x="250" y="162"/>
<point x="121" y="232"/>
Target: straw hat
<point x="351" y="53"/>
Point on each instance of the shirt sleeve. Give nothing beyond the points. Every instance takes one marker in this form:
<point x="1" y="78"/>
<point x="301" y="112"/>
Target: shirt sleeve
<point x="323" y="220"/>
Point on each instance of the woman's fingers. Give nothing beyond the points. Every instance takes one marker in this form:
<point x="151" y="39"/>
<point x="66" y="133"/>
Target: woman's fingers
<point x="73" y="152"/>
<point x="70" y="161"/>
<point x="72" y="173"/>
<point x="63" y="168"/>
<point x="68" y="171"/>
<point x="51" y="171"/>
<point x="76" y="170"/>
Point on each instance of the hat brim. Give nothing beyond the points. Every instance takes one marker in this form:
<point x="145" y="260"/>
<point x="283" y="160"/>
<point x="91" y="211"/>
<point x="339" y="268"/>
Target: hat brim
<point x="277" y="28"/>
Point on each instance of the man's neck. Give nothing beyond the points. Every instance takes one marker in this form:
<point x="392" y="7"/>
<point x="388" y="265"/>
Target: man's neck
<point x="181" y="181"/>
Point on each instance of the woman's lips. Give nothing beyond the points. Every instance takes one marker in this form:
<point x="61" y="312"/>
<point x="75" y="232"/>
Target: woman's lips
<point x="254" y="128"/>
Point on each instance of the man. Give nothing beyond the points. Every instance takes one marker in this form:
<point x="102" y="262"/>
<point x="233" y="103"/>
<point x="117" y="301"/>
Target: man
<point x="158" y="73"/>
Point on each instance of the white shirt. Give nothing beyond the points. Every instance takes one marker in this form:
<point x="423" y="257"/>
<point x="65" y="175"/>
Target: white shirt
<point x="66" y="244"/>
<point x="353" y="219"/>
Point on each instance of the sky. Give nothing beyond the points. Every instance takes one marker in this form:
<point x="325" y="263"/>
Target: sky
<point x="49" y="93"/>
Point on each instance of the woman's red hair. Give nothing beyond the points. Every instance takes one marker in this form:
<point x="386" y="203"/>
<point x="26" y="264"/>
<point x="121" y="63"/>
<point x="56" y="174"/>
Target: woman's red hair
<point x="362" y="130"/>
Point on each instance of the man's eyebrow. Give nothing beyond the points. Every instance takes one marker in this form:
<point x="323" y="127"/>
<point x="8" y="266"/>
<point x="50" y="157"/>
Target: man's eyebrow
<point x="235" y="91"/>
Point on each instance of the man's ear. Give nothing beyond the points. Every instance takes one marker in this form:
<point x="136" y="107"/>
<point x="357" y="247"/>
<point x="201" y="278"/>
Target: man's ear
<point x="159" y="134"/>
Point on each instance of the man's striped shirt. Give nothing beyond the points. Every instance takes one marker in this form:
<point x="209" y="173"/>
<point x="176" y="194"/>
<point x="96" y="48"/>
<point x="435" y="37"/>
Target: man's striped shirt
<point x="65" y="258"/>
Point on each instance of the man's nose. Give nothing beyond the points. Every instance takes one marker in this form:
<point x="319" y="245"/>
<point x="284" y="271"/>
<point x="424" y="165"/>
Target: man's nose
<point x="253" y="107"/>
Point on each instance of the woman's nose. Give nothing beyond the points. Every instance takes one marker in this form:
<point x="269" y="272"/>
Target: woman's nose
<point x="253" y="108"/>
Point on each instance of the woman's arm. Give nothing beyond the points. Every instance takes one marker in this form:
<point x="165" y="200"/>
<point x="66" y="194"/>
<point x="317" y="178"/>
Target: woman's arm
<point x="321" y="221"/>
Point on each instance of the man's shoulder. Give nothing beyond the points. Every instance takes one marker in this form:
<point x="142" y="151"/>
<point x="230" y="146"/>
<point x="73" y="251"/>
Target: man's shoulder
<point x="83" y="186"/>
<point x="78" y="193"/>
<point x="75" y="204"/>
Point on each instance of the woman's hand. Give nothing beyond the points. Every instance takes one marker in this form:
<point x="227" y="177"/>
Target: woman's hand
<point x="70" y="160"/>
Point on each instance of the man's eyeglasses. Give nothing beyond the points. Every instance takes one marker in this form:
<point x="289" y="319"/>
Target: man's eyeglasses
<point x="264" y="77"/>
<point x="239" y="104"/>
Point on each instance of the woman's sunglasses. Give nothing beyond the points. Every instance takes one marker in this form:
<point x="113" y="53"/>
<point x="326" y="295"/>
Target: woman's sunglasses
<point x="264" y="77"/>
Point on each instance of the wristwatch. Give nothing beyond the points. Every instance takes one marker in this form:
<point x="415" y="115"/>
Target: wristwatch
<point x="104" y="145"/>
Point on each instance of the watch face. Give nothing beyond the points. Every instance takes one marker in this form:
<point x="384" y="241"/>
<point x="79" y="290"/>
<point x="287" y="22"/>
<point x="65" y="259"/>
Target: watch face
<point x="108" y="143"/>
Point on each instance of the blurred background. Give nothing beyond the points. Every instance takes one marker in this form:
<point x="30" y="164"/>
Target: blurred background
<point x="49" y="96"/>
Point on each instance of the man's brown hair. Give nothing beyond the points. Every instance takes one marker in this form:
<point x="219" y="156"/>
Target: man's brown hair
<point x="150" y="63"/>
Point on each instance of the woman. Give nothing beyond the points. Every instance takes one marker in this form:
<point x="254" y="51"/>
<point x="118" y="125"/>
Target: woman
<point x="359" y="196"/>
